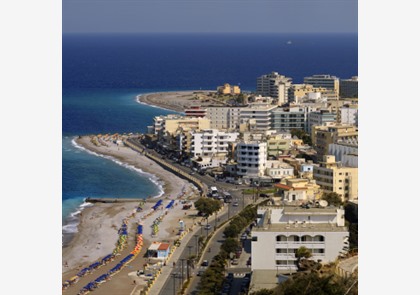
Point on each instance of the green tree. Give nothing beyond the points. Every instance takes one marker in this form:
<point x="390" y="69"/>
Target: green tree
<point x="263" y="292"/>
<point x="301" y="253"/>
<point x="313" y="283"/>
<point x="306" y="138"/>
<point x="230" y="245"/>
<point x="207" y="206"/>
<point x="332" y="199"/>
<point x="231" y="231"/>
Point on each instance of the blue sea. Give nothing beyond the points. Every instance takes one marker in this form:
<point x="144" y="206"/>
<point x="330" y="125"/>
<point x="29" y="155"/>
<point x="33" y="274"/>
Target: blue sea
<point x="103" y="73"/>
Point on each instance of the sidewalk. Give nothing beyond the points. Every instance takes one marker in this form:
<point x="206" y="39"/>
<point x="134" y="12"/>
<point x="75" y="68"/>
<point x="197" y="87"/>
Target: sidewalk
<point x="166" y="270"/>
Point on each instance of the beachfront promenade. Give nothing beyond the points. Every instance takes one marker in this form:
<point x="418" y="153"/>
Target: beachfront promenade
<point x="141" y="149"/>
<point x="183" y="251"/>
<point x="162" y="280"/>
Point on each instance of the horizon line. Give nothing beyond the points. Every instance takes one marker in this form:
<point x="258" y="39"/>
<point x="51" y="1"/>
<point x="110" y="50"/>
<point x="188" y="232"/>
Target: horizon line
<point x="261" y="33"/>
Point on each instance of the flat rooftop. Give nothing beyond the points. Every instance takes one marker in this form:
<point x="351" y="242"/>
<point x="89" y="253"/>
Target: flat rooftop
<point x="265" y="279"/>
<point x="307" y="227"/>
<point x="300" y="210"/>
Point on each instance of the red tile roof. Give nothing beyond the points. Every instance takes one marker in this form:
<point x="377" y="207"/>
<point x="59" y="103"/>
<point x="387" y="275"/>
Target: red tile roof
<point x="163" y="246"/>
<point x="283" y="186"/>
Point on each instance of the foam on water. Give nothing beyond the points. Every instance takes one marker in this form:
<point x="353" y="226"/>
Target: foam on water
<point x="151" y="177"/>
<point x="153" y="106"/>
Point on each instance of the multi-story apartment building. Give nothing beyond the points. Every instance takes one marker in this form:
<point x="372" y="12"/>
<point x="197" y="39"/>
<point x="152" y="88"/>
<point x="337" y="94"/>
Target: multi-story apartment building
<point x="170" y="123"/>
<point x="282" y="230"/>
<point x="332" y="176"/>
<point x="278" y="169"/>
<point x="260" y="112"/>
<point x="349" y="87"/>
<point x="278" y="143"/>
<point x="320" y="118"/>
<point x="325" y="81"/>
<point x="224" y="118"/>
<point x="345" y="152"/>
<point x="274" y="85"/>
<point x="322" y="136"/>
<point x="251" y="158"/>
<point x="195" y="111"/>
<point x="286" y="119"/>
<point x="207" y="143"/>
<point x="348" y="114"/>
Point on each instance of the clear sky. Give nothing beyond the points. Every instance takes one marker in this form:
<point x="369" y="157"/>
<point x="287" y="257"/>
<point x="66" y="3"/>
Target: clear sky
<point x="278" y="16"/>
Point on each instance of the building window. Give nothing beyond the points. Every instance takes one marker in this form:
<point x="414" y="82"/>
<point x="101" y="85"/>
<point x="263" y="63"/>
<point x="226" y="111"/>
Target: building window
<point x="281" y="238"/>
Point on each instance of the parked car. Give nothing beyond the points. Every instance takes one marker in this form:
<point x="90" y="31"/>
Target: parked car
<point x="205" y="263"/>
<point x="264" y="196"/>
<point x="235" y="261"/>
<point x="200" y="273"/>
<point x="235" y="204"/>
<point x="208" y="226"/>
<point x="229" y="277"/>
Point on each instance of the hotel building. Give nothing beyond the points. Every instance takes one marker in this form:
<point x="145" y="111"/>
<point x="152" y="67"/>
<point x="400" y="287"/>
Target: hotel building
<point x="282" y="230"/>
<point x="274" y="85"/>
<point x="332" y="176"/>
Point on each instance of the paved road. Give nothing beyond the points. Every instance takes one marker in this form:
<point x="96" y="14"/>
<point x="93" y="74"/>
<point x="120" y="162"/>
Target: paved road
<point x="173" y="283"/>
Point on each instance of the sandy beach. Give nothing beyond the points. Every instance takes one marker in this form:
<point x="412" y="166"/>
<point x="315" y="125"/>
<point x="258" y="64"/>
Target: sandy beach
<point x="99" y="223"/>
<point x="180" y="100"/>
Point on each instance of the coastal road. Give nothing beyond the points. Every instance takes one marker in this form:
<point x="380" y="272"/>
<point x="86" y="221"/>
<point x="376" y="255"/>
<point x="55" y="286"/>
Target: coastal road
<point x="174" y="280"/>
<point x="206" y="179"/>
<point x="179" y="271"/>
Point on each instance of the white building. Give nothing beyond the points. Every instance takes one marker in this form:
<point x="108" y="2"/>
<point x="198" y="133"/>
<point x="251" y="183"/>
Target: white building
<point x="211" y="142"/>
<point x="274" y="85"/>
<point x="260" y="112"/>
<point x="348" y="114"/>
<point x="223" y="118"/>
<point x="280" y="231"/>
<point x="278" y="169"/>
<point x="345" y="152"/>
<point x="320" y="118"/>
<point x="251" y="158"/>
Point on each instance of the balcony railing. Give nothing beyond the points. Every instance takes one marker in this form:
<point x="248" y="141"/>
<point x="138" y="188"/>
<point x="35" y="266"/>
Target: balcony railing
<point x="300" y="242"/>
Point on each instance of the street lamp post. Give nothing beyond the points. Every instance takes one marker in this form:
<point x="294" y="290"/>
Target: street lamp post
<point x="174" y="277"/>
<point x="182" y="270"/>
<point x="196" y="241"/>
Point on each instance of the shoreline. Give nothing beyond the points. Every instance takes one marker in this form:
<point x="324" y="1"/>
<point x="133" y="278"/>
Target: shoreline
<point x="72" y="221"/>
<point x="97" y="231"/>
<point x="176" y="101"/>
